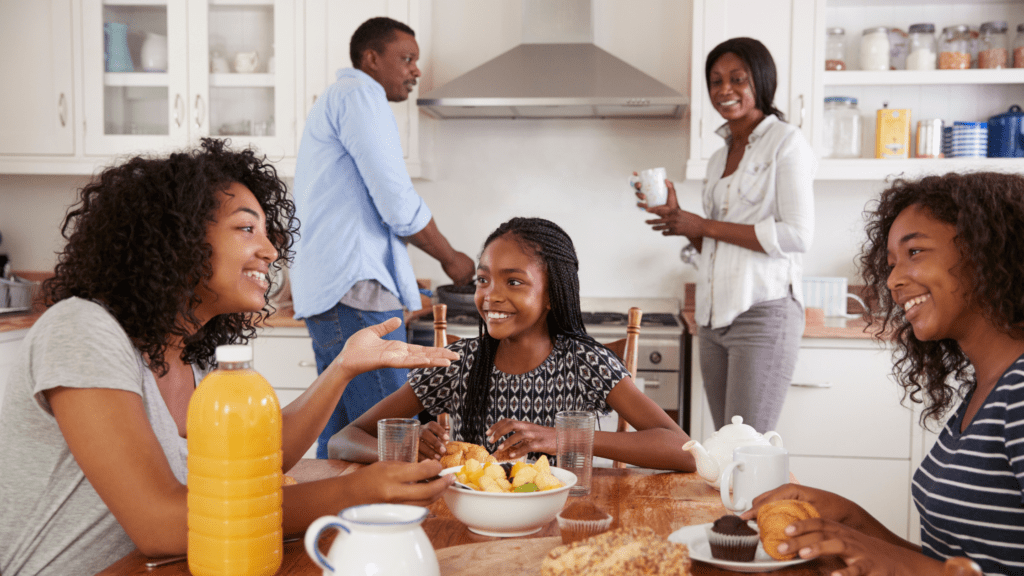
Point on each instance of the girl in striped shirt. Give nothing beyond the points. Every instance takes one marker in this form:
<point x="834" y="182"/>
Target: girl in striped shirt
<point x="944" y="264"/>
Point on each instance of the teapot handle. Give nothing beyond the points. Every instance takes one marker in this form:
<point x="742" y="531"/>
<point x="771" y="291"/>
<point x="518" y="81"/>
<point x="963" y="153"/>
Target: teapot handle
<point x="773" y="438"/>
<point x="313" y="536"/>
<point x="725" y="485"/>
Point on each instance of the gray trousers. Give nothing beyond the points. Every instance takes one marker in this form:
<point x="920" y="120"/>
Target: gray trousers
<point x="748" y="365"/>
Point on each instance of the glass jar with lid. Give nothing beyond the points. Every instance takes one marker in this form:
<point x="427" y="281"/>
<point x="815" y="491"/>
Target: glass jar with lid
<point x="874" y="49"/>
<point x="835" y="49"/>
<point x="992" y="45"/>
<point x="922" y="47"/>
<point x="842" y="128"/>
<point x="954" y="48"/>
<point x="1018" y="47"/>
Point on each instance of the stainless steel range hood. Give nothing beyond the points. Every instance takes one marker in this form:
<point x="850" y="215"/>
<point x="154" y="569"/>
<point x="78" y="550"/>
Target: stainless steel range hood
<point x="571" y="79"/>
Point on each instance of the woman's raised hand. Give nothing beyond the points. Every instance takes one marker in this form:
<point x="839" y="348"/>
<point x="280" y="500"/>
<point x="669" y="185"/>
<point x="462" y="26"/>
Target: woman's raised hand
<point x="367" y="350"/>
<point x="526" y="437"/>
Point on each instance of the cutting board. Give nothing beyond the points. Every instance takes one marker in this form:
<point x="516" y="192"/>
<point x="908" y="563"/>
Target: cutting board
<point x="513" y="556"/>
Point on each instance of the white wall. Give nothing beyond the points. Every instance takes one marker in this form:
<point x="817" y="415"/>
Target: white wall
<point x="483" y="172"/>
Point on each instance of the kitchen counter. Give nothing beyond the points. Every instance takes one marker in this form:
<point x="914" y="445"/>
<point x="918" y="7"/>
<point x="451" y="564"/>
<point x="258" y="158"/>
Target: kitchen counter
<point x="830" y="328"/>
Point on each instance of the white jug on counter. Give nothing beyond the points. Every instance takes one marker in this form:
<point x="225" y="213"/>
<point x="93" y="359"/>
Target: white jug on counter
<point x="375" y="539"/>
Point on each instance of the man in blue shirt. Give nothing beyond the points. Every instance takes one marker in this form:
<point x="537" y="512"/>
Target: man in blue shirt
<point x="358" y="209"/>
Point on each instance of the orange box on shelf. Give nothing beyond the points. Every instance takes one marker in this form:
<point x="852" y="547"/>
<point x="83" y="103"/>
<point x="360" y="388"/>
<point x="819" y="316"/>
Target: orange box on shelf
<point x="892" y="133"/>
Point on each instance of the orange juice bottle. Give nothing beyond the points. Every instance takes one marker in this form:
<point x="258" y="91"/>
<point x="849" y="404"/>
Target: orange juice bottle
<point x="234" y="471"/>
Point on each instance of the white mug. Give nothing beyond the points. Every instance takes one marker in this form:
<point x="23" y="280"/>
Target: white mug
<point x="652" y="185"/>
<point x="247" y="62"/>
<point x="754" y="470"/>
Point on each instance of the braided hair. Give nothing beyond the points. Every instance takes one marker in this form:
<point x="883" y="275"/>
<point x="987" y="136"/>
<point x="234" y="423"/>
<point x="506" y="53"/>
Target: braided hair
<point x="547" y="241"/>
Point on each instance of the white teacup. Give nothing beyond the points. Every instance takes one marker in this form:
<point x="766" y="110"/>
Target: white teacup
<point x="247" y="62"/>
<point x="753" y="471"/>
<point x="652" y="185"/>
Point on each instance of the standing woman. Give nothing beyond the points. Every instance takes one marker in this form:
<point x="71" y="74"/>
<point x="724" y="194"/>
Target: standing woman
<point x="760" y="206"/>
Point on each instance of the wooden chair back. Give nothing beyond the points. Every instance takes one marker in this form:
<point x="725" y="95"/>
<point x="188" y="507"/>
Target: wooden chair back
<point x="960" y="566"/>
<point x="627" y="349"/>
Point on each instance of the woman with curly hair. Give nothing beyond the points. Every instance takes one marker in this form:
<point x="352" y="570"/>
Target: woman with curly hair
<point x="944" y="260"/>
<point x="166" y="259"/>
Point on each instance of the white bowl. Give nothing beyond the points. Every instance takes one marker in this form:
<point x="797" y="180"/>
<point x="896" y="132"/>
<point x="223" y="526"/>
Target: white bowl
<point x="507" y="514"/>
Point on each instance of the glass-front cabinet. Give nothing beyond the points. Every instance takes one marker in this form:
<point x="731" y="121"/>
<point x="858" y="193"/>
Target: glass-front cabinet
<point x="160" y="74"/>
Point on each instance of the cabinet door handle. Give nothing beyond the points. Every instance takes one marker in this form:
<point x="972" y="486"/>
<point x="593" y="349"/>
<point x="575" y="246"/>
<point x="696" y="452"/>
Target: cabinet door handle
<point x="178" y="113"/>
<point x="200" y="111"/>
<point x="306" y="364"/>
<point x="812" y="384"/>
<point x="801" y="123"/>
<point x="62" y="110"/>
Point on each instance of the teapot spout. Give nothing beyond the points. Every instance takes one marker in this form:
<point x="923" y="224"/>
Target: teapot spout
<point x="707" y="467"/>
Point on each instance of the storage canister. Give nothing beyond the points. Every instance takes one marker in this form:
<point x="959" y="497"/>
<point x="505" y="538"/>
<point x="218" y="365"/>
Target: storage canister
<point x="1018" y="47"/>
<point x="928" y="141"/>
<point x="992" y="49"/>
<point x="954" y="48"/>
<point x="922" y="47"/>
<point x="835" y="49"/>
<point x="1006" y="134"/>
<point x="970" y="140"/>
<point x="842" y="129"/>
<point x="874" y="49"/>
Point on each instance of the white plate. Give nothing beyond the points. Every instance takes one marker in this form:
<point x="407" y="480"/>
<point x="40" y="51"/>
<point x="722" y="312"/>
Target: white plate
<point x="696" y="538"/>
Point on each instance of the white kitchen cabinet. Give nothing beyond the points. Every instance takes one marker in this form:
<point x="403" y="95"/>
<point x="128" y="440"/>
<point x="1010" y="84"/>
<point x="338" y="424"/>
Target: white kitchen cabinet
<point x="328" y="29"/>
<point x="131" y="112"/>
<point x="843" y="426"/>
<point x="789" y="38"/>
<point x="38" y="95"/>
<point x="10" y="346"/>
<point x="284" y="356"/>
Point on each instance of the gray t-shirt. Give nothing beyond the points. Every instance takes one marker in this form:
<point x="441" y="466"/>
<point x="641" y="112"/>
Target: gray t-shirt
<point x="51" y="519"/>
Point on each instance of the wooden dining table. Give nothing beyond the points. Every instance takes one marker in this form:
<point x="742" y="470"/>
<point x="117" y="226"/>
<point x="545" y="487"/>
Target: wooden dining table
<point x="663" y="501"/>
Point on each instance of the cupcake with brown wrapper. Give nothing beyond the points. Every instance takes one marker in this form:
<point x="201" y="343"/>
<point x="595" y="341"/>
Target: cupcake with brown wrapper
<point x="581" y="520"/>
<point x="732" y="538"/>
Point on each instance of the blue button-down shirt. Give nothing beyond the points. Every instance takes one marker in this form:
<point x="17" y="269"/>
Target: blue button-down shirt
<point x="354" y="199"/>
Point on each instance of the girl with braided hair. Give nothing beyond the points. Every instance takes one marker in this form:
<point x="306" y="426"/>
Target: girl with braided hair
<point x="532" y="360"/>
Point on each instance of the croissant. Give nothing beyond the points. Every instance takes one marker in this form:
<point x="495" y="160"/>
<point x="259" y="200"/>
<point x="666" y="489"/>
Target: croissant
<point x="774" y="517"/>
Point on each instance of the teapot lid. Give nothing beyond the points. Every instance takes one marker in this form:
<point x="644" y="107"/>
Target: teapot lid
<point x="737" y="430"/>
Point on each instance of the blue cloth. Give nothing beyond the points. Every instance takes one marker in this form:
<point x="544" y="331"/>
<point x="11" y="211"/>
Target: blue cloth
<point x="354" y="199"/>
<point x="330" y="330"/>
<point x="970" y="488"/>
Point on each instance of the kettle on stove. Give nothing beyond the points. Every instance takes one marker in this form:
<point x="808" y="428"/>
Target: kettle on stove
<point x="1006" y="134"/>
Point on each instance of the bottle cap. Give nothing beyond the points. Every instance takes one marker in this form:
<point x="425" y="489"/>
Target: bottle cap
<point x="234" y="353"/>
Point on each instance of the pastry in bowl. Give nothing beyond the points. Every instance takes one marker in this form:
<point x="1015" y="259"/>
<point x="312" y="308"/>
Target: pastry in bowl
<point x="774" y="517"/>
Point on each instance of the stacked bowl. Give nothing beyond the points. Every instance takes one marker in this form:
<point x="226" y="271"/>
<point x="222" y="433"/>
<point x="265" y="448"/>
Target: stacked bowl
<point x="970" y="140"/>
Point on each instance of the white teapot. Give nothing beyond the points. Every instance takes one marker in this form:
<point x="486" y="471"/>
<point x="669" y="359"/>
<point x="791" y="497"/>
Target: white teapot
<point x="716" y="453"/>
<point x="375" y="539"/>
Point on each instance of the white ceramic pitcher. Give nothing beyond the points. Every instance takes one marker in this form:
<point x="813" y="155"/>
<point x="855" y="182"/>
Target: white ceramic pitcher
<point x="375" y="539"/>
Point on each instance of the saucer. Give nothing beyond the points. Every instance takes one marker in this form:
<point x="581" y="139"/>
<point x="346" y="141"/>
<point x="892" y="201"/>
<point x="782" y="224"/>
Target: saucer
<point x="696" y="539"/>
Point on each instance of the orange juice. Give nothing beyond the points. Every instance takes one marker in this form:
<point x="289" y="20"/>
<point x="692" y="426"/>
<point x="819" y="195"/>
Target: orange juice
<point x="234" y="471"/>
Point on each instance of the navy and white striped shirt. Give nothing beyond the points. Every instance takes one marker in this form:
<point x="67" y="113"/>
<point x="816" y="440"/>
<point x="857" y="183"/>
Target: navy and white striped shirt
<point x="970" y="488"/>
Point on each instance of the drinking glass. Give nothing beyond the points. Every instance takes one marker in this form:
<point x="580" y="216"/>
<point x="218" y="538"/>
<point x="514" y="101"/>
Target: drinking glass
<point x="574" y="432"/>
<point x="398" y="439"/>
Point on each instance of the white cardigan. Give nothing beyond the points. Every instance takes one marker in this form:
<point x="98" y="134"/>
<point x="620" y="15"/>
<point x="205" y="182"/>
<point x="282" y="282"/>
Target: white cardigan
<point x="772" y="189"/>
